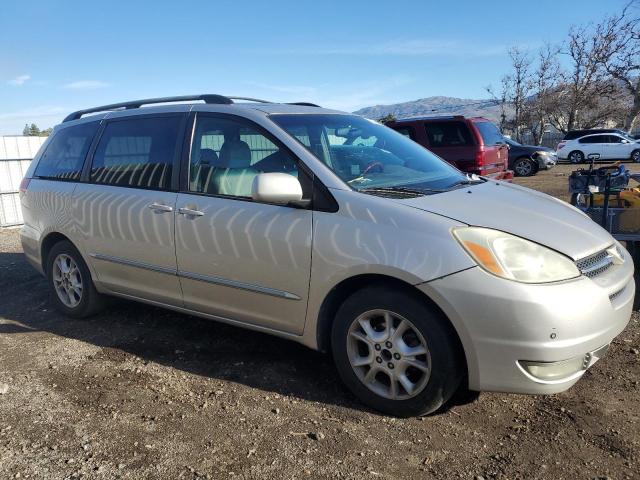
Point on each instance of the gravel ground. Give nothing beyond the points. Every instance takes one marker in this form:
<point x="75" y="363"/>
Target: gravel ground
<point x="139" y="392"/>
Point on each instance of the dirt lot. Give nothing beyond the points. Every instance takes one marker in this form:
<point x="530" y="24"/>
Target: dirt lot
<point x="140" y="392"/>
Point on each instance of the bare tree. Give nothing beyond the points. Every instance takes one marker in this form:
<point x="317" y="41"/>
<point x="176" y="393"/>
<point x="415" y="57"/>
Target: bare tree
<point x="501" y="100"/>
<point x="544" y="83"/>
<point x="514" y="92"/>
<point x="519" y="84"/>
<point x="618" y="55"/>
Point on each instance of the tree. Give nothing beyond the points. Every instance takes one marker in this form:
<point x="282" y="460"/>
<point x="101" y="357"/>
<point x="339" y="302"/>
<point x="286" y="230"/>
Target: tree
<point x="518" y="86"/>
<point x="33" y="131"/>
<point x="501" y="100"/>
<point x="618" y="55"/>
<point x="389" y="117"/>
<point x="544" y="82"/>
<point x="586" y="96"/>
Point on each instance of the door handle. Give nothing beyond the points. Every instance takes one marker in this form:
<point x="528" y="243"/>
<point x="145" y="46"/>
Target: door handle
<point x="159" y="207"/>
<point x="190" y="212"/>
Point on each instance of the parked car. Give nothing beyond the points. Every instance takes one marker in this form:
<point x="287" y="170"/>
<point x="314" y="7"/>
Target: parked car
<point x="611" y="146"/>
<point x="575" y="134"/>
<point x="328" y="229"/>
<point x="526" y="160"/>
<point x="474" y="145"/>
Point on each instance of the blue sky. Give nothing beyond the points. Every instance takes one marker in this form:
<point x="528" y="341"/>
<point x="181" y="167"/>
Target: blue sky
<point x="58" y="56"/>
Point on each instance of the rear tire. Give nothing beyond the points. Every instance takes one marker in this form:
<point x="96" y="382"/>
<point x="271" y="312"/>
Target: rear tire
<point x="524" y="167"/>
<point x="415" y="371"/>
<point x="72" y="290"/>
<point x="576" y="157"/>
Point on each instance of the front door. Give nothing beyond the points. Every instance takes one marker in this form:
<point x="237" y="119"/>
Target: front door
<point x="126" y="210"/>
<point x="238" y="259"/>
<point x="619" y="148"/>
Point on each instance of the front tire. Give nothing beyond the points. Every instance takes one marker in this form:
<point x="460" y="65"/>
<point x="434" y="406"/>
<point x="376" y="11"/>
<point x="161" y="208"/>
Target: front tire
<point x="395" y="352"/>
<point x="524" y="167"/>
<point x="635" y="156"/>
<point x="576" y="157"/>
<point x="72" y="290"/>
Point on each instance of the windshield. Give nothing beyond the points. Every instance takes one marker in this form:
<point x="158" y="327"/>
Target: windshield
<point x="512" y="142"/>
<point x="368" y="155"/>
<point x="628" y="137"/>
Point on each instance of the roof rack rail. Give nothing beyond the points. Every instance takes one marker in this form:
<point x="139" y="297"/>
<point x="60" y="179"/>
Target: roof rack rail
<point x="304" y="104"/>
<point x="214" y="99"/>
<point x="207" y="98"/>
<point x="249" y="99"/>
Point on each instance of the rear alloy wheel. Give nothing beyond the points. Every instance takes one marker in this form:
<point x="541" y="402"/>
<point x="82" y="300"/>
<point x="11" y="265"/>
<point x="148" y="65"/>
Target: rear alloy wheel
<point x="67" y="280"/>
<point x="576" y="156"/>
<point x="524" y="167"/>
<point x="395" y="352"/>
<point x="72" y="289"/>
<point x="635" y="156"/>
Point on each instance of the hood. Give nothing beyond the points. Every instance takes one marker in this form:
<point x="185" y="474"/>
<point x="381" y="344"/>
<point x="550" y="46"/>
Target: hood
<point x="531" y="148"/>
<point x="520" y="211"/>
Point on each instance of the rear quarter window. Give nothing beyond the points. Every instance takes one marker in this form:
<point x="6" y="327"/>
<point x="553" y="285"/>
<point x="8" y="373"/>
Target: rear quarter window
<point x="489" y="133"/>
<point x="64" y="157"/>
<point x="448" y="134"/>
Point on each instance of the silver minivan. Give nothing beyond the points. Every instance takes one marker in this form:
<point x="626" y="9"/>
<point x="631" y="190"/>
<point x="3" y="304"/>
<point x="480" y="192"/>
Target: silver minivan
<point x="331" y="230"/>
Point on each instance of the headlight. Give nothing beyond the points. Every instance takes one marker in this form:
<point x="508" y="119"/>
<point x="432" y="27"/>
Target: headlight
<point x="514" y="258"/>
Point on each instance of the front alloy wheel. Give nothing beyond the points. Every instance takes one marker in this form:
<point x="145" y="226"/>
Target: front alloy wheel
<point x="524" y="167"/>
<point x="388" y="354"/>
<point x="396" y="351"/>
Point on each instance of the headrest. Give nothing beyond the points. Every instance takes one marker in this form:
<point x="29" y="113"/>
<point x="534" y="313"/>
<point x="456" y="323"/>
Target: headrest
<point x="208" y="157"/>
<point x="235" y="154"/>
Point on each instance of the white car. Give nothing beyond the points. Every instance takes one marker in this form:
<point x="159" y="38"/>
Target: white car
<point x="610" y="146"/>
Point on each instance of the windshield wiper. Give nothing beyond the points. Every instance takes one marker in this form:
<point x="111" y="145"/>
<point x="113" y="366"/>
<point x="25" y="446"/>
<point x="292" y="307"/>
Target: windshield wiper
<point x="469" y="180"/>
<point x="416" y="191"/>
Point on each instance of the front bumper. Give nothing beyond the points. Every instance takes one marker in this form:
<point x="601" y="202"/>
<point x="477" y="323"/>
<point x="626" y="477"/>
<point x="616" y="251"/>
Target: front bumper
<point x="505" y="325"/>
<point x="545" y="162"/>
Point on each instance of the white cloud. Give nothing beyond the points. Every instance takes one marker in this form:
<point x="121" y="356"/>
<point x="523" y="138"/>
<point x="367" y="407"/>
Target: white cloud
<point x="342" y="96"/>
<point x="399" y="47"/>
<point x="86" y="85"/>
<point x="19" y="80"/>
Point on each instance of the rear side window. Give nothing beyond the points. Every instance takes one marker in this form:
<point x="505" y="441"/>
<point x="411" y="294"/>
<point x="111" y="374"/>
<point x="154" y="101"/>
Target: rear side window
<point x="137" y="152"/>
<point x="64" y="157"/>
<point x="489" y="133"/>
<point x="448" y="134"/>
<point x="595" y="139"/>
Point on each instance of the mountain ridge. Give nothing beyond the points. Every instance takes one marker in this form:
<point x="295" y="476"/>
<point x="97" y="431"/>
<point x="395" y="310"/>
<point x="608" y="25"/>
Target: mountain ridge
<point x="435" y="106"/>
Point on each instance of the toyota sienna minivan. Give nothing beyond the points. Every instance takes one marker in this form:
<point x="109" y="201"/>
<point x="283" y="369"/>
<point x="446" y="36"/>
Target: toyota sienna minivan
<point x="331" y="230"/>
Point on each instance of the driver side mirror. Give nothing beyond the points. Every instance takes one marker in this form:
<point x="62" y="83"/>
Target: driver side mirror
<point x="278" y="188"/>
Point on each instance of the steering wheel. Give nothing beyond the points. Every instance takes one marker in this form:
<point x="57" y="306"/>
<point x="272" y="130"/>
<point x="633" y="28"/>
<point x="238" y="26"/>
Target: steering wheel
<point x="373" y="165"/>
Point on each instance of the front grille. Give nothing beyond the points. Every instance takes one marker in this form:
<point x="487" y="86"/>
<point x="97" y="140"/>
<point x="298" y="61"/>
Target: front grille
<point x="596" y="264"/>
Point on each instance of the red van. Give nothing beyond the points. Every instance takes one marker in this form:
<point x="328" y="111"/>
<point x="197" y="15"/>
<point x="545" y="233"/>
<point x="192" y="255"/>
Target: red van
<point x="474" y="145"/>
